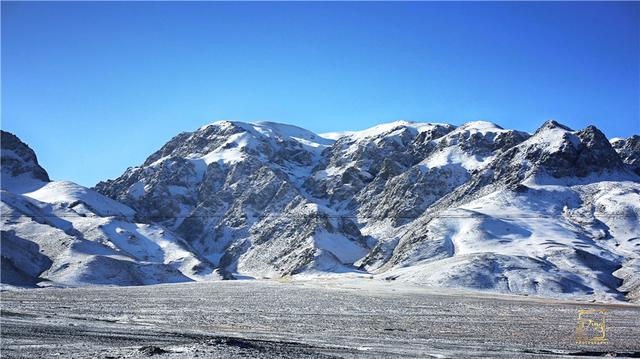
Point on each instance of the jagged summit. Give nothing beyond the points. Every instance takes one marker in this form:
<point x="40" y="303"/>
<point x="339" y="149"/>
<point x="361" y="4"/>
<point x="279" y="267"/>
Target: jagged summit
<point x="553" y="124"/>
<point x="382" y="129"/>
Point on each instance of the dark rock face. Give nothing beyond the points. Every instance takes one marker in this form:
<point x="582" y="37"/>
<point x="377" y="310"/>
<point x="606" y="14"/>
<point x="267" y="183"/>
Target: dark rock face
<point x="629" y="151"/>
<point x="552" y="124"/>
<point x="554" y="150"/>
<point x="19" y="159"/>
<point x="596" y="153"/>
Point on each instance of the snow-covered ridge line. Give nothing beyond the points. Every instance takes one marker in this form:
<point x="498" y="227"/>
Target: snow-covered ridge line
<point x="553" y="213"/>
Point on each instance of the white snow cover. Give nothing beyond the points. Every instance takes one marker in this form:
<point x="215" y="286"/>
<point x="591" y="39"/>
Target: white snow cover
<point x="378" y="130"/>
<point x="557" y="237"/>
<point x="484" y="241"/>
<point x="21" y="184"/>
<point x="233" y="150"/>
<point x="275" y="130"/>
<point x="345" y="250"/>
<point x="335" y="135"/>
<point x="68" y="193"/>
<point x="24" y="182"/>
<point x="552" y="139"/>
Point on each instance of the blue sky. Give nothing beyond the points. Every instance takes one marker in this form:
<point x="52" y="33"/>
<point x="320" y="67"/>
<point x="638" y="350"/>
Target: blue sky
<point x="96" y="87"/>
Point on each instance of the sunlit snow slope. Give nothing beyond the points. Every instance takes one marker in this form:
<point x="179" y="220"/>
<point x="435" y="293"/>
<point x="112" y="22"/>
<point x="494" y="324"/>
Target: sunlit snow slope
<point x="60" y="233"/>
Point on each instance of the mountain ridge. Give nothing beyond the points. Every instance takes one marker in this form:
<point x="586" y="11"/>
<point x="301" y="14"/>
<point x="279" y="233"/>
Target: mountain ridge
<point x="419" y="202"/>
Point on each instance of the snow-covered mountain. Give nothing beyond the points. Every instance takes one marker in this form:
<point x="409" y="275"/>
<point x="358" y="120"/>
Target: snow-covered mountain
<point x="60" y="233"/>
<point x="554" y="213"/>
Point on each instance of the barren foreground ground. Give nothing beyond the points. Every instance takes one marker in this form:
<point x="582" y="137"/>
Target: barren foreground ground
<point x="319" y="319"/>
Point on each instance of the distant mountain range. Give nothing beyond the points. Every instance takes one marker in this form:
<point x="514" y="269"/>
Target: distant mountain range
<point x="554" y="213"/>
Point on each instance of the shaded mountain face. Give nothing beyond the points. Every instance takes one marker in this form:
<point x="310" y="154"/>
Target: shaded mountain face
<point x="629" y="151"/>
<point x="554" y="213"/>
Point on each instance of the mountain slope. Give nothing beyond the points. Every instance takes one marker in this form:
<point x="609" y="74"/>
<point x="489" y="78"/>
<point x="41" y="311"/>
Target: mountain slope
<point x="553" y="213"/>
<point x="233" y="190"/>
<point x="629" y="151"/>
<point x="60" y="233"/>
<point x="19" y="168"/>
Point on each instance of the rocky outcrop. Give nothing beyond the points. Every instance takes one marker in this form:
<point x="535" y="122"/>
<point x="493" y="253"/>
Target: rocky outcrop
<point x="60" y="233"/>
<point x="629" y="151"/>
<point x="18" y="159"/>
<point x="270" y="200"/>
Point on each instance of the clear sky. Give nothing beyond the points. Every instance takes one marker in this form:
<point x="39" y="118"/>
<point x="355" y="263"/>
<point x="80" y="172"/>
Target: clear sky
<point x="96" y="87"/>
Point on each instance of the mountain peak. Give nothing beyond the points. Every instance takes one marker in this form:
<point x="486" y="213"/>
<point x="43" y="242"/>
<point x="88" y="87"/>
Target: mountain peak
<point x="382" y="129"/>
<point x="629" y="151"/>
<point x="265" y="199"/>
<point x="552" y="125"/>
<point x="597" y="151"/>
<point x="268" y="129"/>
<point x="20" y="167"/>
<point x="481" y="126"/>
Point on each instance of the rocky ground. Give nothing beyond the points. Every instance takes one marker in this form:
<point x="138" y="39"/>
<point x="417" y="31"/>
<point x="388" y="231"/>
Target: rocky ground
<point x="301" y="319"/>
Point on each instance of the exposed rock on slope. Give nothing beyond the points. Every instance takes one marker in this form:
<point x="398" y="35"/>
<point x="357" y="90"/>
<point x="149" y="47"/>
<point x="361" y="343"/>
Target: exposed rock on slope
<point x="554" y="213"/>
<point x="234" y="192"/>
<point x="537" y="201"/>
<point x="629" y="151"/>
<point x="60" y="233"/>
<point x="20" y="168"/>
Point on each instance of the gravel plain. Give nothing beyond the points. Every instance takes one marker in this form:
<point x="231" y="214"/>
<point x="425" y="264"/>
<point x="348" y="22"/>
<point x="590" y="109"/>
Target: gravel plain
<point x="300" y="319"/>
